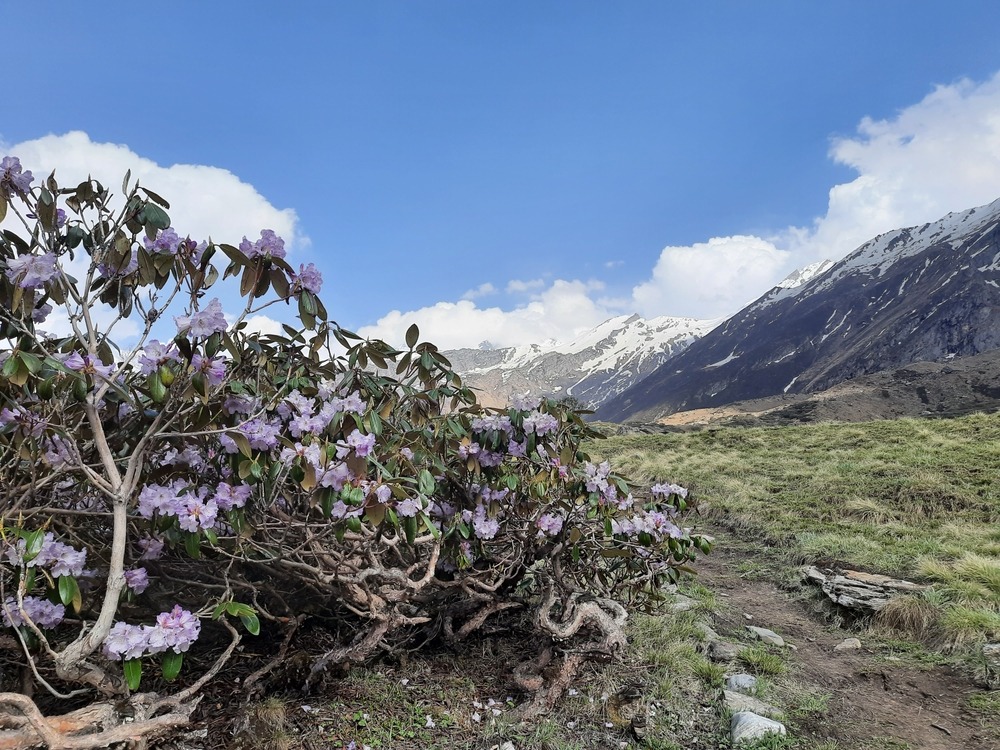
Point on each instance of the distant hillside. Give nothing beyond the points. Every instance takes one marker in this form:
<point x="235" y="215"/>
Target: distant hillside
<point x="918" y="294"/>
<point x="592" y="368"/>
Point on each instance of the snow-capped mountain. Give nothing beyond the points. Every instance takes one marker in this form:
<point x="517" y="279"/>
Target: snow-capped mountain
<point x="924" y="293"/>
<point x="591" y="368"/>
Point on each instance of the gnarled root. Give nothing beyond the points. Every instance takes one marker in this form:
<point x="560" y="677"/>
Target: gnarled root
<point x="549" y="681"/>
<point x="22" y="725"/>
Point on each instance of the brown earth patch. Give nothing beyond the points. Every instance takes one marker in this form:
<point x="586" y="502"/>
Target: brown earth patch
<point x="875" y="701"/>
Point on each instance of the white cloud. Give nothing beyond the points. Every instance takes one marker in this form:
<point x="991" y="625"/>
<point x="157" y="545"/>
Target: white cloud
<point x="516" y="286"/>
<point x="203" y="200"/>
<point x="710" y="279"/>
<point x="939" y="155"/>
<point x="564" y="309"/>
<point x="483" y="290"/>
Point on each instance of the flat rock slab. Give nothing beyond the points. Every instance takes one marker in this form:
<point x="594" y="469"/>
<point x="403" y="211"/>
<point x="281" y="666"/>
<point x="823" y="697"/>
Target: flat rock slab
<point x="738" y="702"/>
<point x="768" y="636"/>
<point x="746" y="726"/>
<point x="742" y="682"/>
<point x="848" y="644"/>
<point x="723" y="651"/>
<point x="866" y="592"/>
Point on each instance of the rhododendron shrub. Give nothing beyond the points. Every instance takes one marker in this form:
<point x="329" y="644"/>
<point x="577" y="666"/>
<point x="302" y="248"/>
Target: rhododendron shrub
<point x="167" y="474"/>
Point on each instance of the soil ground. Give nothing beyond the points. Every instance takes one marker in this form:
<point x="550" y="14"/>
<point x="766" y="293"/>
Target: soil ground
<point x="877" y="700"/>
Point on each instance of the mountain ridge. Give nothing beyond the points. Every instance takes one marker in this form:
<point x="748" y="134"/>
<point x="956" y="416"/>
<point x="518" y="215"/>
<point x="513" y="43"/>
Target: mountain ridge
<point x="917" y="293"/>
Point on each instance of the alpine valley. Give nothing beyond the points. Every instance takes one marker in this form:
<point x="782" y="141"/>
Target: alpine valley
<point x="921" y="294"/>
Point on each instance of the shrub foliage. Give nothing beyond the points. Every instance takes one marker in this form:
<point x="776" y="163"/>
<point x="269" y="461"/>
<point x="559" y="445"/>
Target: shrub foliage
<point x="167" y="472"/>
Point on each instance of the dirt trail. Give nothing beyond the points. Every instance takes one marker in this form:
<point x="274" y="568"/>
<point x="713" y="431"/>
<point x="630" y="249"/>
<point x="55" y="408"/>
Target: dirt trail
<point x="874" y="703"/>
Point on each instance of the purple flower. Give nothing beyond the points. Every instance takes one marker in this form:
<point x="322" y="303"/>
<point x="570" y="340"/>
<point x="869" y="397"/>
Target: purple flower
<point x="42" y="612"/>
<point x="204" y="322"/>
<point x="12" y="178"/>
<point x="31" y="271"/>
<point x="28" y="424"/>
<point x="484" y="526"/>
<point x="406" y="453"/>
<point x="166" y="242"/>
<point x="335" y="476"/>
<point x="137" y="580"/>
<point x="308" y="278"/>
<point x="489" y="459"/>
<point x="151" y="548"/>
<point x="228" y="497"/>
<point x="156" y="354"/>
<point x="60" y="452"/>
<point x="197" y="513"/>
<point x="269" y="244"/>
<point x="87" y="365"/>
<point x="494" y="423"/>
<point x="540" y="424"/>
<point x="157" y="498"/>
<point x="40" y="313"/>
<point x="409" y="507"/>
<point x="125" y="641"/>
<point x="181" y="628"/>
<point x="361" y="443"/>
<point x="549" y="524"/>
<point x="666" y="490"/>
<point x="383" y="493"/>
<point x="263" y="435"/>
<point x="464" y="451"/>
<point x="213" y="369"/>
<point x="518" y="450"/>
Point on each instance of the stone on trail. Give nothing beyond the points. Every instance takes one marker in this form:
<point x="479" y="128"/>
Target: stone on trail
<point x="742" y="682"/>
<point x="723" y="651"/>
<point x="854" y="589"/>
<point x="746" y="725"/>
<point x="768" y="636"/>
<point x="848" y="644"/>
<point x="738" y="702"/>
<point x="682" y="603"/>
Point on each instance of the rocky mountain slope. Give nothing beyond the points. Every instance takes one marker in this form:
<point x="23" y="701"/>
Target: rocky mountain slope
<point x="592" y="368"/>
<point x="918" y="294"/>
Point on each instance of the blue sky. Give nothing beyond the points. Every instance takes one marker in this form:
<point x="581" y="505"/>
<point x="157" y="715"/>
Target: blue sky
<point x="552" y="163"/>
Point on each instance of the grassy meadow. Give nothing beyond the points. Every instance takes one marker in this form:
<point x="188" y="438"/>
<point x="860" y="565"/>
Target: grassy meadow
<point x="918" y="499"/>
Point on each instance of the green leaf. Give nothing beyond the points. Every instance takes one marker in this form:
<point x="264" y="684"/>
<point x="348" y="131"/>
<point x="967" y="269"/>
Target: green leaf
<point x="410" y="528"/>
<point x="133" y="673"/>
<point x="239" y="609"/>
<point x="170" y="665"/>
<point x="3" y="207"/>
<point x="153" y="197"/>
<point x="427" y="484"/>
<point x="69" y="593"/>
<point x="251" y="623"/>
<point x="33" y="541"/>
<point x="154" y="216"/>
<point x="193" y="546"/>
<point x="412" y="335"/>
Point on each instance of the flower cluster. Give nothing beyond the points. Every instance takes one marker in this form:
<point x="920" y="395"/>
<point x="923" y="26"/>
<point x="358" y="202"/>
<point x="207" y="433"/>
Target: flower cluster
<point x="270" y="245"/>
<point x="194" y="509"/>
<point x="308" y="279"/>
<point x="175" y="630"/>
<point x="42" y="612"/>
<point x="60" y="559"/>
<point x="203" y="323"/>
<point x="31" y="271"/>
<point x="166" y="242"/>
<point x="14" y="180"/>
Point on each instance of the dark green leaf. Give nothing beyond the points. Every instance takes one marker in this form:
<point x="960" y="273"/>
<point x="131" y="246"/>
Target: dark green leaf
<point x="170" y="665"/>
<point x="412" y="335"/>
<point x="133" y="673"/>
